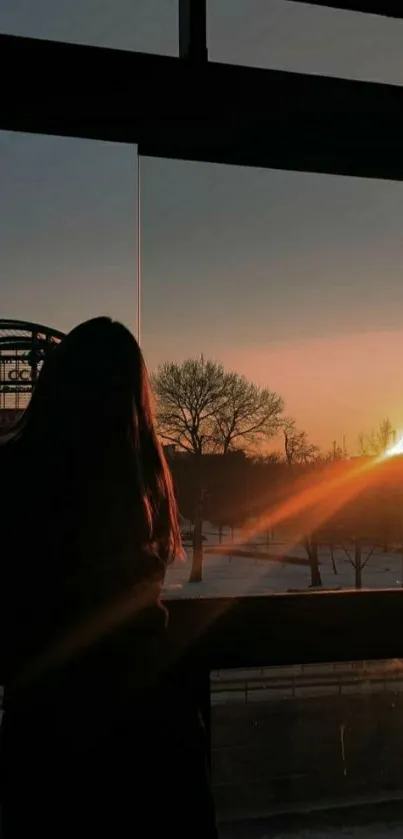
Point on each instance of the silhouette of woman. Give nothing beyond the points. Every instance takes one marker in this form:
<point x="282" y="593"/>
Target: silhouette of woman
<point x="100" y="736"/>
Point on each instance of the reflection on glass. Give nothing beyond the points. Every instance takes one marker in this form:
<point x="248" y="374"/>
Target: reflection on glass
<point x="271" y="319"/>
<point x="316" y="747"/>
<point x="306" y="39"/>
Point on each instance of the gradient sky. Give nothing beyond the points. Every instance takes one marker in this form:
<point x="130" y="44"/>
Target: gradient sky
<point x="293" y="279"/>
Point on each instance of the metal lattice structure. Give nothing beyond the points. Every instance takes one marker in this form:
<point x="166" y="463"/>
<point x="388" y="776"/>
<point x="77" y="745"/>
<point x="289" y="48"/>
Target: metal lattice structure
<point x="23" y="348"/>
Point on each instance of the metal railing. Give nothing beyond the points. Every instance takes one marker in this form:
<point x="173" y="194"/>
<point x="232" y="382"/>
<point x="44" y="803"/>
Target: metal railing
<point x="268" y="684"/>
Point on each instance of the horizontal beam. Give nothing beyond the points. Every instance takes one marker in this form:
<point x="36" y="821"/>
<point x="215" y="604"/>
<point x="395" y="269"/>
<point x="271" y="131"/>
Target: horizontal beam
<point x="386" y="8"/>
<point x="289" y="629"/>
<point x="209" y="112"/>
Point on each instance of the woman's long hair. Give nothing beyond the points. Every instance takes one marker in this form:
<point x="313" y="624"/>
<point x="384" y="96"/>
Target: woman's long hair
<point x="90" y="426"/>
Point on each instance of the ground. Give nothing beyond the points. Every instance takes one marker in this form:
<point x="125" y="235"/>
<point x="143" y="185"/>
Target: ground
<point x="239" y="576"/>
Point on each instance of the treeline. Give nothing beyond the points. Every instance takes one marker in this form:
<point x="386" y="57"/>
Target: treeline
<point x="353" y="503"/>
<point x="203" y="408"/>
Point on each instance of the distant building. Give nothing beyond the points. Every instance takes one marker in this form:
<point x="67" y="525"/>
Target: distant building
<point x="172" y="452"/>
<point x="169" y="451"/>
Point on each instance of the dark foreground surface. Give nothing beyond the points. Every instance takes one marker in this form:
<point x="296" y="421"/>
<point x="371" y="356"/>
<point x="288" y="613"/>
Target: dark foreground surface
<point x="267" y="832"/>
<point x="306" y="755"/>
<point x="379" y="820"/>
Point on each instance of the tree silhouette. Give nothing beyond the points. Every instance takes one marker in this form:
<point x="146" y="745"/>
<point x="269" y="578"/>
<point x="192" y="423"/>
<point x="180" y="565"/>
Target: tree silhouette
<point x="377" y="442"/>
<point x="203" y="408"/>
<point x="189" y="396"/>
<point x="249" y="415"/>
<point x="297" y="446"/>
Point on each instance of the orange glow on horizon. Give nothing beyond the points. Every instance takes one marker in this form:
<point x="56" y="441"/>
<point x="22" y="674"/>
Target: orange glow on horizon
<point x="334" y="385"/>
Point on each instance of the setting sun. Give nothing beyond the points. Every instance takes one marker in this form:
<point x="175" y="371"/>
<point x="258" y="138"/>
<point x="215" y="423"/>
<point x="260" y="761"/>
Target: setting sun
<point x="396" y="449"/>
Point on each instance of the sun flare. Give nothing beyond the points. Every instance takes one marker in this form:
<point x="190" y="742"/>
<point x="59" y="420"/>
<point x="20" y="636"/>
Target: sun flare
<point x="396" y="449"/>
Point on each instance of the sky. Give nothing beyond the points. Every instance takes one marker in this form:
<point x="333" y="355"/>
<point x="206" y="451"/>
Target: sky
<point x="293" y="279"/>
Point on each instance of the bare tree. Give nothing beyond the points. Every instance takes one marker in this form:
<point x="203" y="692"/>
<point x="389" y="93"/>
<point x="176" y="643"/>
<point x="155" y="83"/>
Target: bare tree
<point x="297" y="447"/>
<point x="311" y="547"/>
<point x="202" y="408"/>
<point x="358" y="561"/>
<point x="248" y="416"/>
<point x="189" y="397"/>
<point x="334" y="455"/>
<point x="376" y="443"/>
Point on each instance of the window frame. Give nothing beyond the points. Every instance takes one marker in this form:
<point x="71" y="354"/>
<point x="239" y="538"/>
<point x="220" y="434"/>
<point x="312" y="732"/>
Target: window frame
<point x="383" y="8"/>
<point x="202" y="111"/>
<point x="215" y="113"/>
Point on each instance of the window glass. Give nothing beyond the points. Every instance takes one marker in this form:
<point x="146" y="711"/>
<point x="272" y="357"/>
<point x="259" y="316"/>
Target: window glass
<point x="144" y="25"/>
<point x="67" y="241"/>
<point x="306" y="38"/>
<point x="292" y="281"/>
<point x="309" y="751"/>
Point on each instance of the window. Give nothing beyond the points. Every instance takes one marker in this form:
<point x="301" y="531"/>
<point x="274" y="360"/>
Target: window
<point x="145" y="25"/>
<point x="306" y="39"/>
<point x="68" y="231"/>
<point x="293" y="281"/>
<point x="68" y="248"/>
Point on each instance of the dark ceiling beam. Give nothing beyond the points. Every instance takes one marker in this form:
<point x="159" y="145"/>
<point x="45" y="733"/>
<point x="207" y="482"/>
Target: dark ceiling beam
<point x="386" y="8"/>
<point x="204" y="112"/>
